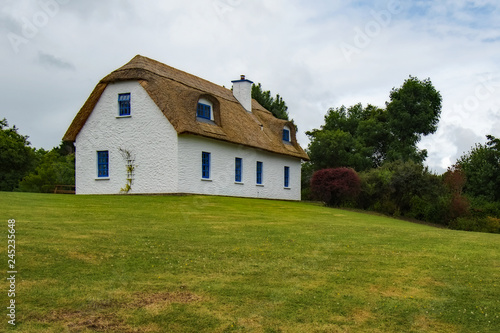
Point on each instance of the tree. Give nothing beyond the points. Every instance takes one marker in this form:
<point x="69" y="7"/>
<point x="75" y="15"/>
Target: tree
<point x="17" y="158"/>
<point x="482" y="169"/>
<point x="335" y="186"/>
<point x="353" y="137"/>
<point x="277" y="105"/>
<point x="409" y="180"/>
<point x="53" y="169"/>
<point x="414" y="110"/>
<point x="336" y="148"/>
<point x="367" y="137"/>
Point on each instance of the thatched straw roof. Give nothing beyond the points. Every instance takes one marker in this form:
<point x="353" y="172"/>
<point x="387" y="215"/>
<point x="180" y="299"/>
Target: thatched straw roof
<point x="176" y="93"/>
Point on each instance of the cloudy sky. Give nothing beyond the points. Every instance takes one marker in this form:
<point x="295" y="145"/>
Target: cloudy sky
<point x="315" y="54"/>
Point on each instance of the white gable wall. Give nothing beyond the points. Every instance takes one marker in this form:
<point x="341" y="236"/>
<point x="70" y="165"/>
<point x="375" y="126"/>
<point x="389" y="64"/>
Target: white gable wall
<point x="222" y="170"/>
<point x="147" y="134"/>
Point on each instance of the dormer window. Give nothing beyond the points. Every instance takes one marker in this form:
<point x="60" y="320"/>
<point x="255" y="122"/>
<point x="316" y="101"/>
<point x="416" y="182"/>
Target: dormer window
<point x="286" y="134"/>
<point x="205" y="110"/>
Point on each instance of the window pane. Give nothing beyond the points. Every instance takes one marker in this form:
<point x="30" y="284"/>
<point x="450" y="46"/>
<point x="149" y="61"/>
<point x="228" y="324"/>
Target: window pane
<point x="103" y="163"/>
<point x="287" y="176"/>
<point x="203" y="111"/>
<point x="237" y="171"/>
<point x="286" y="135"/>
<point x="205" y="165"/>
<point x="124" y="104"/>
<point x="124" y="97"/>
<point x="259" y="172"/>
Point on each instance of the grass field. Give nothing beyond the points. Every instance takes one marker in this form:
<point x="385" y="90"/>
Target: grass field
<point x="215" y="264"/>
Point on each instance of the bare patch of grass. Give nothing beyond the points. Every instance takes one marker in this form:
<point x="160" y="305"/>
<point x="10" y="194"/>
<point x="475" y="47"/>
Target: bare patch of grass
<point x="82" y="321"/>
<point x="105" y="315"/>
<point x="182" y="297"/>
<point x="361" y="316"/>
<point x="89" y="258"/>
<point x="423" y="323"/>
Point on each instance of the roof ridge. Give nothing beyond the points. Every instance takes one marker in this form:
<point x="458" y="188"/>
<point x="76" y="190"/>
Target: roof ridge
<point x="183" y="82"/>
<point x="141" y="57"/>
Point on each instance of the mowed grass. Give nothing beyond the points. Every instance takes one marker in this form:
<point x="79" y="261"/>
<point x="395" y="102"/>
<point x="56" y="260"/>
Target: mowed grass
<point x="216" y="264"/>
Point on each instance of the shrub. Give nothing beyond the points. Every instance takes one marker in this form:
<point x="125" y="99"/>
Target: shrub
<point x="376" y="190"/>
<point x="459" y="207"/>
<point x="422" y="209"/>
<point x="335" y="186"/>
<point x="493" y="225"/>
<point x="483" y="208"/>
<point x="405" y="189"/>
<point x="305" y="193"/>
<point x="480" y="224"/>
<point x="466" y="224"/>
<point x="410" y="179"/>
<point x="387" y="207"/>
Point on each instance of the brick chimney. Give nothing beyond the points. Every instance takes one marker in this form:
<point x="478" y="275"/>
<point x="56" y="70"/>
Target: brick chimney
<point x="242" y="91"/>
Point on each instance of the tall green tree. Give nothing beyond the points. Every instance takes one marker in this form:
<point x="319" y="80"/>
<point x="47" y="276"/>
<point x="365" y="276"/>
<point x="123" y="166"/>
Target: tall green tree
<point x="366" y="137"/>
<point x="413" y="110"/>
<point x="17" y="158"/>
<point x="276" y="105"/>
<point x="482" y="170"/>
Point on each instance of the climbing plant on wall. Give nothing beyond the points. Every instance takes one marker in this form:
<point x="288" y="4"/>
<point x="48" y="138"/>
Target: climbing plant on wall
<point x="130" y="167"/>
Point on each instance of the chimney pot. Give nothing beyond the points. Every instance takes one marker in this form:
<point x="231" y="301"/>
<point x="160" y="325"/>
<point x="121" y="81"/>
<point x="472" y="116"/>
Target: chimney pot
<point x="242" y="77"/>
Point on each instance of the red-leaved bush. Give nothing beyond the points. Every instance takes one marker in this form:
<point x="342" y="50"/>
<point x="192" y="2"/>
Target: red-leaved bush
<point x="334" y="186"/>
<point x="455" y="179"/>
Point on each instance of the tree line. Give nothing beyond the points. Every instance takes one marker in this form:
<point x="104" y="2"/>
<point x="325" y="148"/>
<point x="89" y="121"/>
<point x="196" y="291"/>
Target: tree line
<point x="368" y="158"/>
<point x="27" y="169"/>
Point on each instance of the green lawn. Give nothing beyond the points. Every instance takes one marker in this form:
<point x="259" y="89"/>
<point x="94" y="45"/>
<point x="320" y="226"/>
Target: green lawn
<point x="216" y="264"/>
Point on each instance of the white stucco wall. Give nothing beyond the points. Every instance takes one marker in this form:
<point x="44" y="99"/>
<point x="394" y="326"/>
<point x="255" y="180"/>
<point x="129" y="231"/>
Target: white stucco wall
<point x="222" y="170"/>
<point x="147" y="134"/>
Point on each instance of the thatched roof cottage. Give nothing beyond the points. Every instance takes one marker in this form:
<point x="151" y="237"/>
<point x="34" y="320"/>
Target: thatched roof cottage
<point x="150" y="128"/>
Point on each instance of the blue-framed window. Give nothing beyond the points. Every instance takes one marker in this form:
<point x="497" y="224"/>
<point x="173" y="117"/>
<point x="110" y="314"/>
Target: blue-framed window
<point x="286" y="135"/>
<point x="238" y="165"/>
<point x="259" y="172"/>
<point x="124" y="104"/>
<point x="205" y="165"/>
<point x="204" y="111"/>
<point x="287" y="177"/>
<point x="103" y="163"/>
